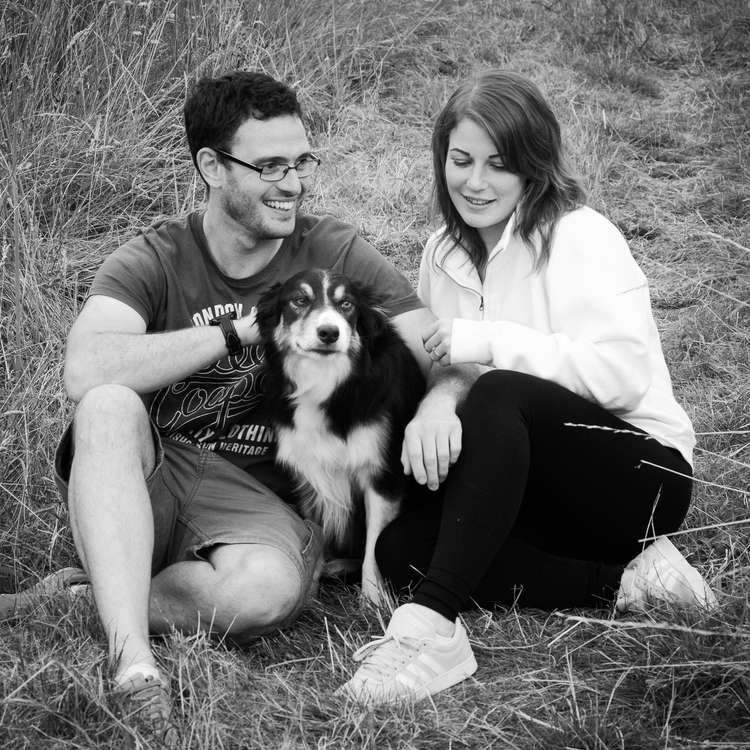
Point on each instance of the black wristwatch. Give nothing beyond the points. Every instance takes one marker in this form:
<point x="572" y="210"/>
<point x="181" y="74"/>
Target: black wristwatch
<point x="231" y="336"/>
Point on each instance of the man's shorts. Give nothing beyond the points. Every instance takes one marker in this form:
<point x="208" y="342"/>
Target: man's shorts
<point x="200" y="499"/>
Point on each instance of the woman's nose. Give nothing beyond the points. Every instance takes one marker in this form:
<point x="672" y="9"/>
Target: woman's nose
<point x="476" y="180"/>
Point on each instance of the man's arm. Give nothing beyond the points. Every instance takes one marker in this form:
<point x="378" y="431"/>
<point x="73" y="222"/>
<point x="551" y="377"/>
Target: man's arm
<point x="108" y="343"/>
<point x="432" y="440"/>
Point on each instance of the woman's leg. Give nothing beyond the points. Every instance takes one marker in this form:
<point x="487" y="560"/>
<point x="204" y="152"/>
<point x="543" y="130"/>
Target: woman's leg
<point x="538" y="508"/>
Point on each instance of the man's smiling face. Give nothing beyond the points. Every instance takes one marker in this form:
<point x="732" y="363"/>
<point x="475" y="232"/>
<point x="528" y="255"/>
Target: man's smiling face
<point x="265" y="210"/>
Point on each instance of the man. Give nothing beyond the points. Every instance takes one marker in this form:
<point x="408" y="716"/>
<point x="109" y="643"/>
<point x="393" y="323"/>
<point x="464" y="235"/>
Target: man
<point x="176" y="508"/>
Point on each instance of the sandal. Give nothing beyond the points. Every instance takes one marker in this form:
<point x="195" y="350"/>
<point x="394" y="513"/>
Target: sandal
<point x="14" y="605"/>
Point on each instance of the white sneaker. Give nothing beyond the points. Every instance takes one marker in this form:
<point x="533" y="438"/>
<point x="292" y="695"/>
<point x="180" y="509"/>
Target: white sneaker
<point x="411" y="661"/>
<point x="661" y="574"/>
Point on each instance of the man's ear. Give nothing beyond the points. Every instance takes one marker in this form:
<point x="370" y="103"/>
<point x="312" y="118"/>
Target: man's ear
<point x="209" y="166"/>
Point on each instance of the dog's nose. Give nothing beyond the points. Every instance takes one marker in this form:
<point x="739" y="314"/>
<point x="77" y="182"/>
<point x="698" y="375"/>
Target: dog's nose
<point x="328" y="334"/>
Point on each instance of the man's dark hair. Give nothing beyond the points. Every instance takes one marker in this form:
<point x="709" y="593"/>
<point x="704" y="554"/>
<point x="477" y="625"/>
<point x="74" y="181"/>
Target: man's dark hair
<point x="216" y="107"/>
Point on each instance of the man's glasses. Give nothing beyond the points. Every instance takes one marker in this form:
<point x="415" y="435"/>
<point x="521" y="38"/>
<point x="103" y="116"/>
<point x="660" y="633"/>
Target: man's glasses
<point x="305" y="166"/>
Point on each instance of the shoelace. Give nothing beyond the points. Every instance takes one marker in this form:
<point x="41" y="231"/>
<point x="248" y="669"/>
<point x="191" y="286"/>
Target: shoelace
<point x="383" y="656"/>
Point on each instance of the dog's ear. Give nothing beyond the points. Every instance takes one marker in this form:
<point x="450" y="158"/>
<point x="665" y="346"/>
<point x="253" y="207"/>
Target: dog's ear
<point x="268" y="312"/>
<point x="371" y="322"/>
<point x="371" y="318"/>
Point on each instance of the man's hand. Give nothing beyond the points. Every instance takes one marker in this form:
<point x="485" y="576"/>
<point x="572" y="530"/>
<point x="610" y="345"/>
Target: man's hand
<point x="108" y="343"/>
<point x="247" y="328"/>
<point x="437" y="340"/>
<point x="432" y="440"/>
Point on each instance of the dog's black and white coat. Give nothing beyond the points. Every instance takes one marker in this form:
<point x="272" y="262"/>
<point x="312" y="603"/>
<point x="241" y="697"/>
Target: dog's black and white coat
<point x="345" y="386"/>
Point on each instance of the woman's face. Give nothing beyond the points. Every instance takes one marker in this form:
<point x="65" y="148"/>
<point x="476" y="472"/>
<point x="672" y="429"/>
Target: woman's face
<point x="484" y="193"/>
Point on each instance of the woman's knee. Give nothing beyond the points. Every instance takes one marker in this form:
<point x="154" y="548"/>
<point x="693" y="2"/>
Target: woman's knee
<point x="498" y="400"/>
<point x="502" y="386"/>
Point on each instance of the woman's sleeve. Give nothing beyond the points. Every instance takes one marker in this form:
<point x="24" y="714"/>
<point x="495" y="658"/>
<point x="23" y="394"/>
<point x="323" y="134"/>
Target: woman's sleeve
<point x="423" y="282"/>
<point x="600" y="317"/>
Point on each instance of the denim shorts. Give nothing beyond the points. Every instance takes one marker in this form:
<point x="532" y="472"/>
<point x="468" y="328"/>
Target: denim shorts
<point x="200" y="499"/>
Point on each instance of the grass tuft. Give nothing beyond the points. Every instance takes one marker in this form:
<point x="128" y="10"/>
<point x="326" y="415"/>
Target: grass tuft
<point x="652" y="98"/>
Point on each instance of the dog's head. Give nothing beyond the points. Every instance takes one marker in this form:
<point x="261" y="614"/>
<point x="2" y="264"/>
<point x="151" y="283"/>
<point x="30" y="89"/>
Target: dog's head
<point x="317" y="314"/>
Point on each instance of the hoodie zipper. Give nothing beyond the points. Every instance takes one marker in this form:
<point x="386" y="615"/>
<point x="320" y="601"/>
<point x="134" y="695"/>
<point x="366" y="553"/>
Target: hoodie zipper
<point x="473" y="291"/>
<point x="464" y="286"/>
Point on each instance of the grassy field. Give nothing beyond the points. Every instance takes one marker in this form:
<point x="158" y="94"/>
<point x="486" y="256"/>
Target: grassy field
<point x="654" y="99"/>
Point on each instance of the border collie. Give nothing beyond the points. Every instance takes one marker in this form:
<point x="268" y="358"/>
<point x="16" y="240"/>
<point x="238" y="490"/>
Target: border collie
<point x="345" y="386"/>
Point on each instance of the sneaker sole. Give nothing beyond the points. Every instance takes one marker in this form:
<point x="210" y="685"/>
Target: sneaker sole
<point x="702" y="593"/>
<point x="452" y="677"/>
<point x="442" y="682"/>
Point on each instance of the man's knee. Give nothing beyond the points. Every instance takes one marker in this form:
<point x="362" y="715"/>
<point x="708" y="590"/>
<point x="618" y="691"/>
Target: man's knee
<point x="112" y="417"/>
<point x="260" y="591"/>
<point x="105" y="403"/>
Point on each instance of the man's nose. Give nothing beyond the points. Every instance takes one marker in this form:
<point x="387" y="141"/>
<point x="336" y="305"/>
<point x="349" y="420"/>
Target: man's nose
<point x="291" y="182"/>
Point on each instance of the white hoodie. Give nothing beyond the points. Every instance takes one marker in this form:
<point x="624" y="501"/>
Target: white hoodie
<point x="583" y="320"/>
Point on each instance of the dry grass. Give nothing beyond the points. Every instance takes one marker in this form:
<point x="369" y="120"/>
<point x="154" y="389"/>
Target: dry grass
<point x="653" y="97"/>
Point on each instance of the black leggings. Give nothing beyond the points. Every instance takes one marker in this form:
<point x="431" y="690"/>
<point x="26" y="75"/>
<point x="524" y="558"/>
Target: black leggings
<point x="535" y="511"/>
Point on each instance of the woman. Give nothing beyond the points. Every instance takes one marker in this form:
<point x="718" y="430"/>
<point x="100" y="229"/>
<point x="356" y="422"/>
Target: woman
<point x="575" y="454"/>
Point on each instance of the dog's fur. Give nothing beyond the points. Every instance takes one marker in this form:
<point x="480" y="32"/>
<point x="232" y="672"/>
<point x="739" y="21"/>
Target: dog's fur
<point x="345" y="386"/>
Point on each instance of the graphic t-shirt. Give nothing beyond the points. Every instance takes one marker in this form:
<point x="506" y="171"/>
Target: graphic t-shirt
<point x="168" y="276"/>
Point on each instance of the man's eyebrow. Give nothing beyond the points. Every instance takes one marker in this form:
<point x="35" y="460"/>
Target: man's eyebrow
<point x="280" y="159"/>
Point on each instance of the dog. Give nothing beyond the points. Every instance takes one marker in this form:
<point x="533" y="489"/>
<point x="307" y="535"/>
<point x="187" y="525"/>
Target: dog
<point x="344" y="385"/>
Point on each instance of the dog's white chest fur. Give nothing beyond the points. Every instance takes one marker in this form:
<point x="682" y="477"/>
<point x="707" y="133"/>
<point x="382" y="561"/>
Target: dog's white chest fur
<point x="333" y="467"/>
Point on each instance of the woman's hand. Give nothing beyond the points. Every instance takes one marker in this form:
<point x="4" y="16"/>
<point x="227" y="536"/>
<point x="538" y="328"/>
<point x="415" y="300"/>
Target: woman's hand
<point x="437" y="341"/>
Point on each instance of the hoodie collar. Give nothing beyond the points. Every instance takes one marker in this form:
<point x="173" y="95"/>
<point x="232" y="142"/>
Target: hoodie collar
<point x="502" y="243"/>
<point x="456" y="263"/>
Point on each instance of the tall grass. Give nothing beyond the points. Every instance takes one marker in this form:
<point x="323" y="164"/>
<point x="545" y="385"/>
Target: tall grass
<point x="653" y="100"/>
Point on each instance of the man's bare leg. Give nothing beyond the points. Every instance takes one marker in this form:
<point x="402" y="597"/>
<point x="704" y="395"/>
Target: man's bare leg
<point x="111" y="515"/>
<point x="241" y="589"/>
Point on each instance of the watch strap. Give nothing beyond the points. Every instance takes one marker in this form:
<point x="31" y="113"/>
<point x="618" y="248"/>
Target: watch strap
<point x="231" y="337"/>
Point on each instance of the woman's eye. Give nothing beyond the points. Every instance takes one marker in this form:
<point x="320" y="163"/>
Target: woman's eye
<point x="461" y="162"/>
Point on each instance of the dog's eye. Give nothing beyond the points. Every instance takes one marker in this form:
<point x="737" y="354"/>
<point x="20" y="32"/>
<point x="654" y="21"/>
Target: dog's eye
<point x="300" y="301"/>
<point x="346" y="305"/>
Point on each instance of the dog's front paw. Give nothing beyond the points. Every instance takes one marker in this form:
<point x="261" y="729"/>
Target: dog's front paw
<point x="373" y="587"/>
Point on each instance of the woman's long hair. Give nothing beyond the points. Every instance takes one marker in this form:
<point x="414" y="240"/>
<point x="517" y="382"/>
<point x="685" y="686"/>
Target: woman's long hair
<point x="527" y="136"/>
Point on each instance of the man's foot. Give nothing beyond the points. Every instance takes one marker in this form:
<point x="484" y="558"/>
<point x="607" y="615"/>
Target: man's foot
<point x="661" y="574"/>
<point x="411" y="661"/>
<point x="70" y="579"/>
<point x="143" y="700"/>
